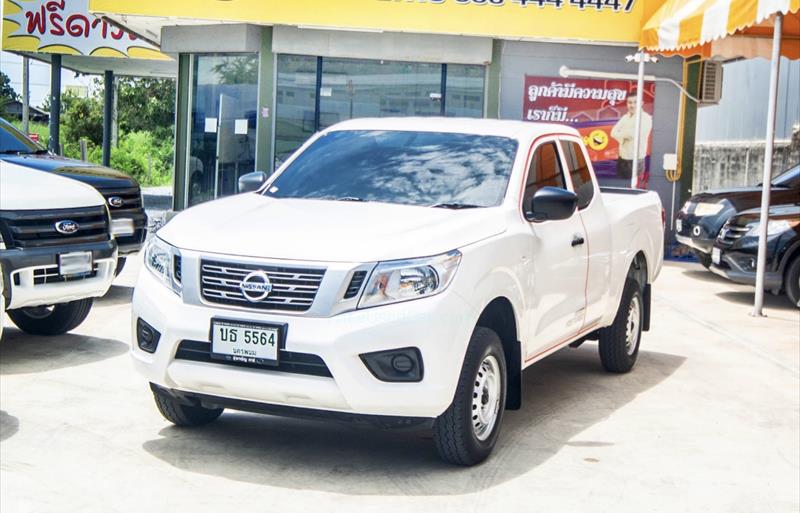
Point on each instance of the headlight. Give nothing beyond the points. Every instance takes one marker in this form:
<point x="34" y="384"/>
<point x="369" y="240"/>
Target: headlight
<point x="708" y="209"/>
<point x="162" y="259"/>
<point x="404" y="280"/>
<point x="773" y="227"/>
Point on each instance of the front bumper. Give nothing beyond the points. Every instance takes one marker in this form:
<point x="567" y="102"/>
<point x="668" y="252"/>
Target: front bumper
<point x="696" y="243"/>
<point x="439" y="326"/>
<point x="22" y="271"/>
<point x="730" y="267"/>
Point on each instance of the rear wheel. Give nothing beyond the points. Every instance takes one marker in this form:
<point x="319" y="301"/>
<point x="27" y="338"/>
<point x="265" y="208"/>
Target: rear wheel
<point x="791" y="281"/>
<point x="185" y="415"/>
<point x="466" y="432"/>
<point x="619" y="343"/>
<point x="51" y="319"/>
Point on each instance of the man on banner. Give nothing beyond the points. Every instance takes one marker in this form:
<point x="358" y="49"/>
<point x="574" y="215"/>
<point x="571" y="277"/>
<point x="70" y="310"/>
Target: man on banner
<point x="624" y="132"/>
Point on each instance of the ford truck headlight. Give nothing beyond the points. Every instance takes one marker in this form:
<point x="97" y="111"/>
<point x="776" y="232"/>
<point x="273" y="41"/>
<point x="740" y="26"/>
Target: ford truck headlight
<point x="775" y="227"/>
<point x="403" y="280"/>
<point x="162" y="260"/>
<point x="708" y="209"/>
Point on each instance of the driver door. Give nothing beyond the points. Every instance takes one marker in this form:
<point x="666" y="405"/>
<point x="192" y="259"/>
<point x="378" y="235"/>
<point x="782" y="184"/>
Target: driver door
<point x="557" y="291"/>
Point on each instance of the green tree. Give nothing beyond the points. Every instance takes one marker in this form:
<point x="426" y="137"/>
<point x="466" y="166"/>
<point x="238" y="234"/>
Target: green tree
<point x="146" y="105"/>
<point x="7" y="93"/>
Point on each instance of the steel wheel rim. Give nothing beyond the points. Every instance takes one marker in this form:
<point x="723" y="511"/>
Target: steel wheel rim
<point x="486" y="398"/>
<point x="632" y="326"/>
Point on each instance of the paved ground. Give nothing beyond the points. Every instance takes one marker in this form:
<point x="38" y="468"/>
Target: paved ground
<point x="709" y="421"/>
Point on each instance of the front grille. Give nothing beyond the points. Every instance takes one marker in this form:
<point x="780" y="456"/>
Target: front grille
<point x="288" y="361"/>
<point x="730" y="234"/>
<point x="355" y="284"/>
<point x="131" y="198"/>
<point x="293" y="288"/>
<point x="48" y="275"/>
<point x="37" y="228"/>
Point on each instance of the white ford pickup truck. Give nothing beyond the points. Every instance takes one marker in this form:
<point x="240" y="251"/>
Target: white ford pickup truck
<point x="402" y="272"/>
<point x="57" y="251"/>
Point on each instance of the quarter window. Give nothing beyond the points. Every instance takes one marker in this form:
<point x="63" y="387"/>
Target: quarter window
<point x="545" y="170"/>
<point x="579" y="172"/>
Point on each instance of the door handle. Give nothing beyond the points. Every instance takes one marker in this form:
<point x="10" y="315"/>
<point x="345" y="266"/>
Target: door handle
<point x="577" y="240"/>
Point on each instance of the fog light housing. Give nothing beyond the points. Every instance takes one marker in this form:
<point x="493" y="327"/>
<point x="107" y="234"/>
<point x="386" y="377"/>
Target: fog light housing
<point x="147" y="337"/>
<point x="395" y="365"/>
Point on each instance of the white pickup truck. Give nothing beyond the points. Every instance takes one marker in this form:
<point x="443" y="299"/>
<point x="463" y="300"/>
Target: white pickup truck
<point x="57" y="251"/>
<point x="402" y="272"/>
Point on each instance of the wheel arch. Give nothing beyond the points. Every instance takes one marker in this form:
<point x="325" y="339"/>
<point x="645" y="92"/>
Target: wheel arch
<point x="498" y="315"/>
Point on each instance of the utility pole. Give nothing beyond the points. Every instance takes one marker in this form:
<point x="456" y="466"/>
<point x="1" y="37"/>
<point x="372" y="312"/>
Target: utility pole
<point x="26" y="92"/>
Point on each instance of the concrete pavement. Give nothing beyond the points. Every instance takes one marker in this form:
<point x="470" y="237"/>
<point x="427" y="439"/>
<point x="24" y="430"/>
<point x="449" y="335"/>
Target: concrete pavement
<point x="708" y="421"/>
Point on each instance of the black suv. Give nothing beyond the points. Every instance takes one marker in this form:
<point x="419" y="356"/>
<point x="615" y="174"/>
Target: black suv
<point x="736" y="250"/>
<point x="702" y="217"/>
<point x="122" y="193"/>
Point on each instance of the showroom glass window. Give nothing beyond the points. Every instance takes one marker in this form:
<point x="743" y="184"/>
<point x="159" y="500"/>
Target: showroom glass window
<point x="224" y="106"/>
<point x="314" y="93"/>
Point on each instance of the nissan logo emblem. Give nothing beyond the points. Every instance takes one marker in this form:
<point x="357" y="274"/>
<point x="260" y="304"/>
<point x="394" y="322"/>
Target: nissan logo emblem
<point x="66" y="227"/>
<point x="255" y="286"/>
<point x="115" y="201"/>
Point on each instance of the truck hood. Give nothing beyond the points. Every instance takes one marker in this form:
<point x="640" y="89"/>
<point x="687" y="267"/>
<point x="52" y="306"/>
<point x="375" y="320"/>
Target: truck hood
<point x="743" y="198"/>
<point x="331" y="231"/>
<point x="22" y="188"/>
<point x="97" y="176"/>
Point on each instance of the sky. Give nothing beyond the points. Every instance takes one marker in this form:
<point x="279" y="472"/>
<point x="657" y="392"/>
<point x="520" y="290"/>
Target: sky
<point x="11" y="65"/>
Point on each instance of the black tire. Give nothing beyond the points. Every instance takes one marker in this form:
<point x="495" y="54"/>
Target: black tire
<point x="456" y="439"/>
<point x="51" y="320"/>
<point x="618" y="353"/>
<point x="184" y="415"/>
<point x="703" y="258"/>
<point x="120" y="266"/>
<point x="791" y="281"/>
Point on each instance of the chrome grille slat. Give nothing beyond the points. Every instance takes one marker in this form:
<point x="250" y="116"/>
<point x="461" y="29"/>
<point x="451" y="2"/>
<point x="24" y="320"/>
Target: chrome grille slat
<point x="293" y="288"/>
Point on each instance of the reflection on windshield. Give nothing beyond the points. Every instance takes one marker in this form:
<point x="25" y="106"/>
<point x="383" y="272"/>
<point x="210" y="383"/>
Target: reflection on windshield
<point x="409" y="168"/>
<point x="14" y="141"/>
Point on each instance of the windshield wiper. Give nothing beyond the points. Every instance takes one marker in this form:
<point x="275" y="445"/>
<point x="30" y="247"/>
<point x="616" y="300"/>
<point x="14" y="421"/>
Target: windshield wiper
<point x="350" y="198"/>
<point x="455" y="206"/>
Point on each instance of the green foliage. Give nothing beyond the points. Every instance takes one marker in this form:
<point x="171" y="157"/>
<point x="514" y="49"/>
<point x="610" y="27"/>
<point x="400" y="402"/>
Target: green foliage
<point x="81" y="118"/>
<point x="7" y="93"/>
<point x="146" y="104"/>
<point x="42" y="129"/>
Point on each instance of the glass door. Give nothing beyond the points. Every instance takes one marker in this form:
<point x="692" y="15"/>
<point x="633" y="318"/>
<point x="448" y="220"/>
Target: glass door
<point x="222" y="124"/>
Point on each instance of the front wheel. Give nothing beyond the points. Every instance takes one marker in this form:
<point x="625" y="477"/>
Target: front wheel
<point x="184" y="415"/>
<point x="619" y="343"/>
<point x="466" y="432"/>
<point x="52" y="319"/>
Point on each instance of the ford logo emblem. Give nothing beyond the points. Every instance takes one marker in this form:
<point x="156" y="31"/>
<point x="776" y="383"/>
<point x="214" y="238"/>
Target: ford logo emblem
<point x="255" y="286"/>
<point x="115" y="201"/>
<point x="66" y="227"/>
<point x="696" y="231"/>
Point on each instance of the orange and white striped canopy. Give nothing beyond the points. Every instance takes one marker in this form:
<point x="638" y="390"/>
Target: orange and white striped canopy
<point x="722" y="27"/>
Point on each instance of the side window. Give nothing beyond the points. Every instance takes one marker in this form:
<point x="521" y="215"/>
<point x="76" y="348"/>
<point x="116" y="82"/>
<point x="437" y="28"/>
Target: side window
<point x="579" y="172"/>
<point x="545" y="171"/>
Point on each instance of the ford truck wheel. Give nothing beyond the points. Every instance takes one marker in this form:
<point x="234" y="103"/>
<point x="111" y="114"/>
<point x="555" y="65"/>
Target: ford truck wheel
<point x="182" y="414"/>
<point x="619" y="343"/>
<point x="466" y="432"/>
<point x="52" y="319"/>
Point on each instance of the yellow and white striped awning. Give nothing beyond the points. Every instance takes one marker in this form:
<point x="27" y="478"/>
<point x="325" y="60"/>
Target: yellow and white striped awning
<point x="693" y="26"/>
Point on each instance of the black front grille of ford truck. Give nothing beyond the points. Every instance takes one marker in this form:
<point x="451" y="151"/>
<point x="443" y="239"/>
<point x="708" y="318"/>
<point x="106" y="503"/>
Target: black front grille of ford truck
<point x="37" y="228"/>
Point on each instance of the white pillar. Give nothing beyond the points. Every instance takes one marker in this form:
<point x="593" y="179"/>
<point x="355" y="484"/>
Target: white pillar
<point x="641" y="57"/>
<point x="769" y="148"/>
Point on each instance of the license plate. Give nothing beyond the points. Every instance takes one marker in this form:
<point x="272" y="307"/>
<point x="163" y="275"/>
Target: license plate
<point x="716" y="255"/>
<point x="70" y="264"/>
<point x="245" y="342"/>
<point x="122" y="227"/>
<point x="679" y="225"/>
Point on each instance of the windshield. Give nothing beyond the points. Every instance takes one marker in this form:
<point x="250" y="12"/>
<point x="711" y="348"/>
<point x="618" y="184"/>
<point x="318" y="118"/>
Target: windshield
<point x="406" y="168"/>
<point x="789" y="178"/>
<point x="14" y="141"/>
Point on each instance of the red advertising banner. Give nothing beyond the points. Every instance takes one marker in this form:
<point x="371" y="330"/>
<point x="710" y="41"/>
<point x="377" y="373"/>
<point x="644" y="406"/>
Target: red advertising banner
<point x="603" y="112"/>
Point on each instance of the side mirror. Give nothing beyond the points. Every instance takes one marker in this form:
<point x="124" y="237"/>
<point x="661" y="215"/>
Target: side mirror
<point x="252" y="181"/>
<point x="551" y="204"/>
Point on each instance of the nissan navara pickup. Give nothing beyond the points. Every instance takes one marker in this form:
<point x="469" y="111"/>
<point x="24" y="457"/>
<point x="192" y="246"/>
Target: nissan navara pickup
<point x="401" y="272"/>
<point x="57" y="251"/>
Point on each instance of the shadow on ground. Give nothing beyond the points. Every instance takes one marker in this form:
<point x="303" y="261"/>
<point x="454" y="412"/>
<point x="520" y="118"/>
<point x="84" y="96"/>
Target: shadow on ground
<point x="703" y="274"/>
<point x="564" y="395"/>
<point x="9" y="425"/>
<point x="771" y="301"/>
<point x="116" y="295"/>
<point x="21" y="353"/>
